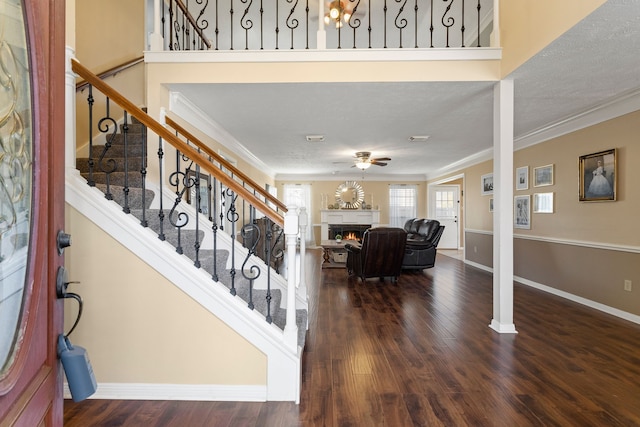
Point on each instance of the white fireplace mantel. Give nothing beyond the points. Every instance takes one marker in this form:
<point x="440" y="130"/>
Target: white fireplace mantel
<point x="347" y="216"/>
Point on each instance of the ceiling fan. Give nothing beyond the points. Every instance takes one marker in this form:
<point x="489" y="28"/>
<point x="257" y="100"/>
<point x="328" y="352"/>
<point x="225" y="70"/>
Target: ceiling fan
<point x="364" y="160"/>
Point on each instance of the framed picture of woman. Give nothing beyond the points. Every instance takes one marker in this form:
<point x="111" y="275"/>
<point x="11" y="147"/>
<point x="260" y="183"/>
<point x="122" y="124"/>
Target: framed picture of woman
<point x="598" y="176"/>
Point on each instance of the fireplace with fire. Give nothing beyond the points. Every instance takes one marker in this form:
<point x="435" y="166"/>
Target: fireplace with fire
<point x="348" y="231"/>
<point x="347" y="222"/>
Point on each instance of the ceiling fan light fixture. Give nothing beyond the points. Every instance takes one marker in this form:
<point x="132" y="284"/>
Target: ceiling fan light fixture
<point x="363" y="165"/>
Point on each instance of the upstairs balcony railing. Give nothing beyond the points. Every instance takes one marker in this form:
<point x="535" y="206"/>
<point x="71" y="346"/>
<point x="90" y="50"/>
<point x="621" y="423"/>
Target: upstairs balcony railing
<point x="320" y="24"/>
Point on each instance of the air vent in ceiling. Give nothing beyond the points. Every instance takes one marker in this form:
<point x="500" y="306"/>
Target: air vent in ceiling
<point x="315" y="138"/>
<point x="418" y="138"/>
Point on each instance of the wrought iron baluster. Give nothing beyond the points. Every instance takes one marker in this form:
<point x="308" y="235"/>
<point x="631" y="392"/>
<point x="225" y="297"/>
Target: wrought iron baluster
<point x="307" y="19"/>
<point x="261" y="25"/>
<point x="143" y="176"/>
<point x="161" y="234"/>
<point x="384" y="9"/>
<point x="197" y="243"/>
<point x="110" y="166"/>
<point x="462" y="22"/>
<point x="277" y="25"/>
<point x="369" y="28"/>
<point x="415" y="24"/>
<point x="292" y="23"/>
<point x="448" y="22"/>
<point x="231" y="19"/>
<point x="400" y="24"/>
<point x="253" y="272"/>
<point x="217" y="29"/>
<point x="246" y="23"/>
<point x="232" y="217"/>
<point x="354" y="23"/>
<point x="91" y="181"/>
<point x="125" y="132"/>
<point x="431" y="26"/>
<point x="478" y="8"/>
<point x="214" y="229"/>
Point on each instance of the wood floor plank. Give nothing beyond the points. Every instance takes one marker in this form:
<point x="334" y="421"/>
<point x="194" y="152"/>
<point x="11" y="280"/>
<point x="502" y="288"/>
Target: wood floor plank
<point x="419" y="352"/>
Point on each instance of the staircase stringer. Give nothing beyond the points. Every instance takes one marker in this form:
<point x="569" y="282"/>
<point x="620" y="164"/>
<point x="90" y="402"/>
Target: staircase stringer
<point x="283" y="365"/>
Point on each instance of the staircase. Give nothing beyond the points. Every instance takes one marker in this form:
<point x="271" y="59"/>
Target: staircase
<point x="118" y="169"/>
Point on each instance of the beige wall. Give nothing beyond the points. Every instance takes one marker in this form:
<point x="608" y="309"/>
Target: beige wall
<point x="140" y="328"/>
<point x="527" y="26"/>
<point x="568" y="249"/>
<point x="109" y="32"/>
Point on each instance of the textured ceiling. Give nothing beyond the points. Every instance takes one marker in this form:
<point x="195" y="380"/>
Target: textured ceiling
<point x="593" y="63"/>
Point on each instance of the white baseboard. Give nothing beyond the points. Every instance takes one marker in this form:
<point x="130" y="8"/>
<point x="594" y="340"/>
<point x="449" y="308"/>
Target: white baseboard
<point x="193" y="392"/>
<point x="571" y="297"/>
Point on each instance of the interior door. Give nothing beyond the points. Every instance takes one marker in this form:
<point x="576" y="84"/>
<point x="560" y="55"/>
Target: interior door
<point x="445" y="207"/>
<point x="32" y="109"/>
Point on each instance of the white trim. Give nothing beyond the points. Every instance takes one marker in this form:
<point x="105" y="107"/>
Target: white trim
<point x="350" y="177"/>
<point x="570" y="242"/>
<point x="612" y="108"/>
<point x="580" y="300"/>
<point x="329" y="55"/>
<point x="571" y="297"/>
<point x="193" y="392"/>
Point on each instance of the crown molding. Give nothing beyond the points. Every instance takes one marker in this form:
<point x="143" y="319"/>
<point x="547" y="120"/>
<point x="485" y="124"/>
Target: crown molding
<point x="184" y="108"/>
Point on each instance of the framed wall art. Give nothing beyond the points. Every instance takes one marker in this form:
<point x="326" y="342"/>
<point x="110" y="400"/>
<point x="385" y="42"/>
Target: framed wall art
<point x="522" y="212"/>
<point x="543" y="175"/>
<point x="486" y="182"/>
<point x="543" y="203"/>
<point x="522" y="178"/>
<point x="205" y="191"/>
<point x="490" y="205"/>
<point x="598" y="176"/>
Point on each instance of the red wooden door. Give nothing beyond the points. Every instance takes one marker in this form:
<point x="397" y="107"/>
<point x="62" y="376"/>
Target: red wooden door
<point x="31" y="208"/>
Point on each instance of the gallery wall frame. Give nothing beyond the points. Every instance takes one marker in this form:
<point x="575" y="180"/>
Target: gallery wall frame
<point x="522" y="178"/>
<point x="542" y="176"/>
<point x="598" y="172"/>
<point x="486" y="184"/>
<point x="522" y="212"/>
<point x="205" y="191"/>
<point x="543" y="202"/>
<point x="490" y="205"/>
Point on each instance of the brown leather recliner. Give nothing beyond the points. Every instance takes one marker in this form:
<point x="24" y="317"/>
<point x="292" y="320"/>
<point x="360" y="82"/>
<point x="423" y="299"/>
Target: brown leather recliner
<point x="379" y="255"/>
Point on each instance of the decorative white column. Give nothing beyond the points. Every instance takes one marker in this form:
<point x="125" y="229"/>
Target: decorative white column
<point x="503" y="208"/>
<point x="291" y="236"/>
<point x="302" y="223"/>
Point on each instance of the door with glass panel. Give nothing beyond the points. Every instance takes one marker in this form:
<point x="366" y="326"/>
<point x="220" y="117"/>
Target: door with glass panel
<point x="31" y="209"/>
<point x="445" y="207"/>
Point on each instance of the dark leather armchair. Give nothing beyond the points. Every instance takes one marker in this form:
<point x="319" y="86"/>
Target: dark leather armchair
<point x="379" y="255"/>
<point x="423" y="236"/>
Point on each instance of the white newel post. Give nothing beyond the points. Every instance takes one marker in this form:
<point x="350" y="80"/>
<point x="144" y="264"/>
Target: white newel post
<point x="291" y="236"/>
<point x="302" y="222"/>
<point x="156" y="43"/>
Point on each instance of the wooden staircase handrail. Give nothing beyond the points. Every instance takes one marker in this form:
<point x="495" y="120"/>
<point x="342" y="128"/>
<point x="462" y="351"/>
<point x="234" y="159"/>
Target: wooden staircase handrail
<point x="234" y="170"/>
<point x="111" y="72"/>
<point x="165" y="134"/>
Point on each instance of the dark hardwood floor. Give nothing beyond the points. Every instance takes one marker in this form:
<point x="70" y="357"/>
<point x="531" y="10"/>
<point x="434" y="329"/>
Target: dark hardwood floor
<point x="420" y="353"/>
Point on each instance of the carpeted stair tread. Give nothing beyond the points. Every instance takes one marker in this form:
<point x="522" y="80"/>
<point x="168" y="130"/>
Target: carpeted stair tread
<point x="135" y="164"/>
<point x="135" y="195"/>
